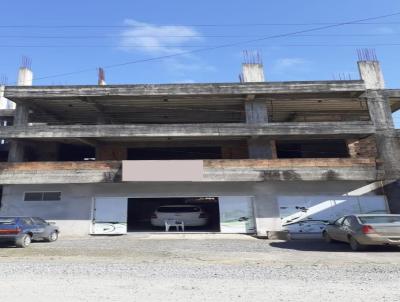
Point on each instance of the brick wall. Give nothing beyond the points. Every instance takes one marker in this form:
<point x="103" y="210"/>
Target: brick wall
<point x="365" y="147"/>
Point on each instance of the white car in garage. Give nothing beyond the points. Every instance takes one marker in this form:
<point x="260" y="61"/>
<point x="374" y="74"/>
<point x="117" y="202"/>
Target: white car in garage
<point x="190" y="215"/>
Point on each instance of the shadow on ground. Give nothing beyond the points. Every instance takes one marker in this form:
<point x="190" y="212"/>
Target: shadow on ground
<point x="321" y="246"/>
<point x="6" y="244"/>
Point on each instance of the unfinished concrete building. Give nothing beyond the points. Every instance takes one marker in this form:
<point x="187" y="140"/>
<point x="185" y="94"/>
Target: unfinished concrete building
<point x="260" y="157"/>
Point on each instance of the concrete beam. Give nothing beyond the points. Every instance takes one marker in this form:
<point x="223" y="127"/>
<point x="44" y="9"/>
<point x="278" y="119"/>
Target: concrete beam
<point x="189" y="130"/>
<point x="214" y="170"/>
<point x="41" y="92"/>
<point x="89" y="142"/>
<point x="7" y="112"/>
<point x="392" y="93"/>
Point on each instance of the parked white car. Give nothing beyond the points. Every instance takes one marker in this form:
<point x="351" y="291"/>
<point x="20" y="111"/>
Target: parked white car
<point x="191" y="215"/>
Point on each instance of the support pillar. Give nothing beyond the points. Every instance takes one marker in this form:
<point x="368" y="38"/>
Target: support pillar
<point x="256" y="113"/>
<point x="21" y="117"/>
<point x="381" y="116"/>
<point x="388" y="146"/>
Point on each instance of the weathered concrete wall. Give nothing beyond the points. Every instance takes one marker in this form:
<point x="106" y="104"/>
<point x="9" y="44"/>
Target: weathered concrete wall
<point x="73" y="212"/>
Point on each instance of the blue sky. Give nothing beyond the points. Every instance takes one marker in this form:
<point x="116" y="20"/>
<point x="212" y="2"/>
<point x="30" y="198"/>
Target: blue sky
<point x="146" y="29"/>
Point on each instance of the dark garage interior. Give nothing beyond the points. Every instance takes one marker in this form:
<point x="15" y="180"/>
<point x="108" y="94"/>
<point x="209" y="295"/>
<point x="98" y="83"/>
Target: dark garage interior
<point x="141" y="209"/>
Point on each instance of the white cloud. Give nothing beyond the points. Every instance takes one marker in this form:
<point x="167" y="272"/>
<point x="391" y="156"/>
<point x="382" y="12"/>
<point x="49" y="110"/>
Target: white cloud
<point x="384" y="30"/>
<point x="290" y="63"/>
<point x="189" y="64"/>
<point x="185" y="81"/>
<point x="157" y="40"/>
<point x="291" y="66"/>
<point x="164" y="40"/>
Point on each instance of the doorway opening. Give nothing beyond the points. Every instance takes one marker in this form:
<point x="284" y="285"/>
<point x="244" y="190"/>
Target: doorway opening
<point x="199" y="213"/>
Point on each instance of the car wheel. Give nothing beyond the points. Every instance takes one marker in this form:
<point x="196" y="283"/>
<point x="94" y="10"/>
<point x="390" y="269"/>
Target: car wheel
<point x="327" y="237"/>
<point x="24" y="241"/>
<point x="52" y="237"/>
<point x="355" y="246"/>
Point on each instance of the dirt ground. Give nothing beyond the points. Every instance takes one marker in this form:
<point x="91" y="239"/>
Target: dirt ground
<point x="177" y="267"/>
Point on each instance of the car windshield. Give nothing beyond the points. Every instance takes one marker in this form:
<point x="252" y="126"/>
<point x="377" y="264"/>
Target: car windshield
<point x="380" y="219"/>
<point x="7" y="221"/>
<point x="178" y="209"/>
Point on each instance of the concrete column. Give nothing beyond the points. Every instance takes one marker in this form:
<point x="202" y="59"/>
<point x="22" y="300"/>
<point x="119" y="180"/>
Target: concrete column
<point x="3" y="101"/>
<point x="253" y="72"/>
<point x="392" y="192"/>
<point x="101" y="77"/>
<point x="21" y="117"/>
<point x="371" y="74"/>
<point x="25" y="77"/>
<point x="16" y="151"/>
<point x="388" y="146"/>
<point x="256" y="112"/>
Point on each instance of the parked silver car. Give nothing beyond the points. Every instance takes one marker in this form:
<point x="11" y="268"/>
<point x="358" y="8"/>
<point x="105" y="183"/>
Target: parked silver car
<point x="190" y="215"/>
<point x="365" y="229"/>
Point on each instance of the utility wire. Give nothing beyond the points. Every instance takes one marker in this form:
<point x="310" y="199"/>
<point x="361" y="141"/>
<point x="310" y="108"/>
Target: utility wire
<point x="195" y="46"/>
<point x="80" y="26"/>
<point x="185" y="36"/>
<point x="225" y="45"/>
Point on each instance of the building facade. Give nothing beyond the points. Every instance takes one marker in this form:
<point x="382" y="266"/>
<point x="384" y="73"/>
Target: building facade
<point x="259" y="156"/>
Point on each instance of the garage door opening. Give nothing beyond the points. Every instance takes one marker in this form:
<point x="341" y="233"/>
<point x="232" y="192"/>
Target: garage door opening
<point x="198" y="213"/>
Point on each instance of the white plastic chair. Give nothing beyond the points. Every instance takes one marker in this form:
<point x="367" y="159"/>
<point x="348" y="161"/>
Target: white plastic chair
<point x="174" y="223"/>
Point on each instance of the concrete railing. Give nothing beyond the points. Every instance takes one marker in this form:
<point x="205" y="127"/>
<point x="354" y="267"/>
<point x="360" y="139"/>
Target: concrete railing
<point x="213" y="170"/>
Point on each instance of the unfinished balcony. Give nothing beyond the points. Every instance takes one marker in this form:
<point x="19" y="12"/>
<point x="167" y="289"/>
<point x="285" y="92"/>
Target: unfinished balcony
<point x="222" y="170"/>
<point x="336" y="101"/>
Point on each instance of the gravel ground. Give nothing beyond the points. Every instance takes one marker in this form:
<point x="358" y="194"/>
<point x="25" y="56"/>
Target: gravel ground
<point x="196" y="268"/>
